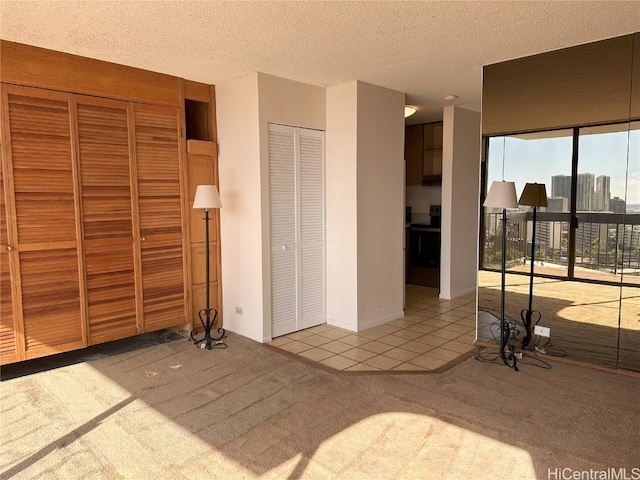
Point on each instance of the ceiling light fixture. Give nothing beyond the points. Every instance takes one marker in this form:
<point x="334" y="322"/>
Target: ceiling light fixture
<point x="450" y="98"/>
<point x="409" y="110"/>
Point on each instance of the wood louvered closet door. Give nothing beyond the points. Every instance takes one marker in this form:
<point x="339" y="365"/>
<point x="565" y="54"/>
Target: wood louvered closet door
<point x="159" y="175"/>
<point x="8" y="326"/>
<point x="42" y="226"/>
<point x="105" y="179"/>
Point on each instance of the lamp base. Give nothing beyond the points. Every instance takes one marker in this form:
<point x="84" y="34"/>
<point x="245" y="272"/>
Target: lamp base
<point x="207" y="322"/>
<point x="528" y="317"/>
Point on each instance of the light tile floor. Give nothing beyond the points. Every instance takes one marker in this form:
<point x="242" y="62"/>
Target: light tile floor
<point x="433" y="333"/>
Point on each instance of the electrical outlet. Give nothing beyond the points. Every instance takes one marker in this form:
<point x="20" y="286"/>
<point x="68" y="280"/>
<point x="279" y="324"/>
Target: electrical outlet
<point x="238" y="310"/>
<point x="542" y="331"/>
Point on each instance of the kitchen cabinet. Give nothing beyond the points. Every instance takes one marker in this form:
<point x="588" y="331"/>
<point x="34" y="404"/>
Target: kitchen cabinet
<point x="413" y="152"/>
<point x="432" y="154"/>
<point x="423" y="154"/>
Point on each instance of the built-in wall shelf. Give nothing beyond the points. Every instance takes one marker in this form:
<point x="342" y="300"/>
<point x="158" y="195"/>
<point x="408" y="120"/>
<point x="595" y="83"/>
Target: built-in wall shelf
<point x="202" y="147"/>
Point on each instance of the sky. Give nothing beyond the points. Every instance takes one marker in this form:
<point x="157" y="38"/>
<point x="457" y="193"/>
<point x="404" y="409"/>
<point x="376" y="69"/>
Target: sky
<point x="616" y="155"/>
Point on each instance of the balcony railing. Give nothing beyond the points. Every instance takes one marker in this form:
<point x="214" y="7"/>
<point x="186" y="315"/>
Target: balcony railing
<point x="607" y="245"/>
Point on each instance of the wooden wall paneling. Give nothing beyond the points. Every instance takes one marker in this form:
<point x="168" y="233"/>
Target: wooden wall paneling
<point x="202" y="169"/>
<point x="199" y="171"/>
<point x="162" y="228"/>
<point x="198" y="264"/>
<point x="213" y="122"/>
<point x="202" y="147"/>
<point x="200" y="302"/>
<point x="41" y="171"/>
<point x="33" y="66"/>
<point x="197" y="91"/>
<point x="103" y="146"/>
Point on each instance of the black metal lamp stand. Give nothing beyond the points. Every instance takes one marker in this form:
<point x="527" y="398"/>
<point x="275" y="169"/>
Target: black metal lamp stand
<point x="529" y="314"/>
<point x="533" y="195"/>
<point x="208" y="315"/>
<point x="503" y="195"/>
<point x="504" y="332"/>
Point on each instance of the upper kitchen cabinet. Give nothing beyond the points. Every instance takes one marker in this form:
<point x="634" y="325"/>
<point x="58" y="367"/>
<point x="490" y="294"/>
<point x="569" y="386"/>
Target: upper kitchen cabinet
<point x="423" y="154"/>
<point x="432" y="154"/>
<point x="413" y="148"/>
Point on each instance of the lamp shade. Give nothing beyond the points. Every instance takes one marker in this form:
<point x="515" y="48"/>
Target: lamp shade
<point x="501" y="195"/>
<point x="206" y="197"/>
<point x="534" y="195"/>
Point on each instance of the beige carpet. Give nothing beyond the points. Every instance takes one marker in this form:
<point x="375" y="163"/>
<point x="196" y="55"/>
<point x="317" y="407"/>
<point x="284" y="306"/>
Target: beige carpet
<point x="171" y="411"/>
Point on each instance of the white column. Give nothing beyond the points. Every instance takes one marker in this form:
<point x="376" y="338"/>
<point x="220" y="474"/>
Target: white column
<point x="460" y="193"/>
<point x="365" y="218"/>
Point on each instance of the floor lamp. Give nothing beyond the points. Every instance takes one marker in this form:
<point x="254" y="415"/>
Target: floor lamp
<point x="534" y="195"/>
<point x="503" y="195"/>
<point x="207" y="198"/>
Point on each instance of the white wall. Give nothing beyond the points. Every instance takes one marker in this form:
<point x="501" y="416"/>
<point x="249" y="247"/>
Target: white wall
<point x="364" y="197"/>
<point x="460" y="193"/>
<point x="420" y="198"/>
<point x="240" y="215"/>
<point x="341" y="206"/>
<point x="244" y="107"/>
<point x="380" y="200"/>
<point x="285" y="102"/>
<point x="291" y="103"/>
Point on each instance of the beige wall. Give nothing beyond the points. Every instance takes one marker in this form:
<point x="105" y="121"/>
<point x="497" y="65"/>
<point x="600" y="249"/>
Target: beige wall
<point x="364" y="128"/>
<point x="460" y="193"/>
<point x="380" y="198"/>
<point x="241" y="212"/>
<point x="365" y="198"/>
<point x="285" y="102"/>
<point x="244" y="108"/>
<point x="341" y="206"/>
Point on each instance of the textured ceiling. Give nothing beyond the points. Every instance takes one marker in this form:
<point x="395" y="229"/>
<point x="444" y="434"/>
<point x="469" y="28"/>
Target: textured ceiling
<point x="426" y="49"/>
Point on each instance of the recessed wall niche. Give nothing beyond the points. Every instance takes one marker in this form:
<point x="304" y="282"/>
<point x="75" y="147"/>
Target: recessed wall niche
<point x="196" y="120"/>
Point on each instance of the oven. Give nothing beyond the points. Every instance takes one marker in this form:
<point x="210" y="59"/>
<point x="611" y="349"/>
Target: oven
<point x="424" y="246"/>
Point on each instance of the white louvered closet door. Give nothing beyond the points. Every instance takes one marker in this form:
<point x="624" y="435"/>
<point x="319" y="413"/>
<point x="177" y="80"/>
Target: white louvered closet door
<point x="296" y="198"/>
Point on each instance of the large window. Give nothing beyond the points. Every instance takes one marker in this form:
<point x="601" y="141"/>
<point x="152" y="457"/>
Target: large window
<point x="591" y="175"/>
